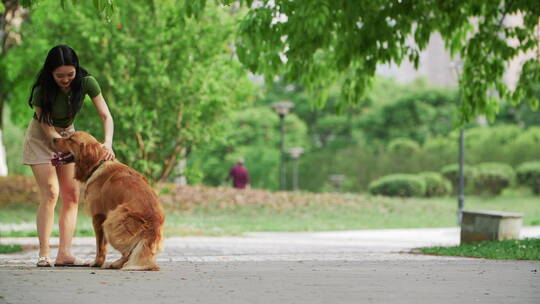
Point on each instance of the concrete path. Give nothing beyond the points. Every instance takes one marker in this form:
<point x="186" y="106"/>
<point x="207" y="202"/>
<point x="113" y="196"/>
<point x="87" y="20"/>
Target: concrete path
<point x="372" y="266"/>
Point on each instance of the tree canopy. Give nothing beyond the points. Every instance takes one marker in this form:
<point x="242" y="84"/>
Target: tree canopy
<point x="167" y="84"/>
<point x="315" y="42"/>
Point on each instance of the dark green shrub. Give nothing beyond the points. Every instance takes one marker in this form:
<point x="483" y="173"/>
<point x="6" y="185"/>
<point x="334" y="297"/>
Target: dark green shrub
<point x="436" y="184"/>
<point x="451" y="172"/>
<point x="492" y="178"/>
<point x="528" y="174"/>
<point x="405" y="185"/>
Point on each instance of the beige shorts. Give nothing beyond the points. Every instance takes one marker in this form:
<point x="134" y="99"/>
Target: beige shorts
<point x="36" y="144"/>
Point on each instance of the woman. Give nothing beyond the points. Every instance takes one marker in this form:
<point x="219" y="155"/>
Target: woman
<point x="57" y="96"/>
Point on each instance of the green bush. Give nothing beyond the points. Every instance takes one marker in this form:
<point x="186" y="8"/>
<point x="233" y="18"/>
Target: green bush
<point x="436" y="184"/>
<point x="525" y="147"/>
<point x="405" y="185"/>
<point x="451" y="172"/>
<point x="528" y="174"/>
<point x="416" y="116"/>
<point x="403" y="146"/>
<point x="492" y="178"/>
<point x="439" y="151"/>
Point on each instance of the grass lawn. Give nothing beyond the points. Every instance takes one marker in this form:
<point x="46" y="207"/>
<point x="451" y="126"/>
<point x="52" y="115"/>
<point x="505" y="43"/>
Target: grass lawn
<point x="320" y="213"/>
<point x="10" y="248"/>
<point x="527" y="249"/>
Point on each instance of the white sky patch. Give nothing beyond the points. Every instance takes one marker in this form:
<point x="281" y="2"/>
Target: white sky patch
<point x="391" y="22"/>
<point x="282" y="54"/>
<point x="280" y="18"/>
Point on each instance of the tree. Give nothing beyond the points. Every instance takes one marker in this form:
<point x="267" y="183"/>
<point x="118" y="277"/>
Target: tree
<point x="12" y="14"/>
<point x="253" y="134"/>
<point x="167" y="83"/>
<point x="315" y="42"/>
<point x="419" y="116"/>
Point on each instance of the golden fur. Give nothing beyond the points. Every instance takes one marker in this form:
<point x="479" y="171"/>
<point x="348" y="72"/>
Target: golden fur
<point x="125" y="210"/>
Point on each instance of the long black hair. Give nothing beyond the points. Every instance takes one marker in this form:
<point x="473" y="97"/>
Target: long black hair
<point x="58" y="56"/>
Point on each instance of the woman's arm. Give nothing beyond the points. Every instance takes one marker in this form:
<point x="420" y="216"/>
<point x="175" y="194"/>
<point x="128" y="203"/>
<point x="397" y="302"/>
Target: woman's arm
<point x="49" y="130"/>
<point x="108" y="124"/>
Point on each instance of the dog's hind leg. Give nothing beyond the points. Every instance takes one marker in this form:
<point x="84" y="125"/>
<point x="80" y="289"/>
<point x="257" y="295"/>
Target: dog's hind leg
<point x="121" y="231"/>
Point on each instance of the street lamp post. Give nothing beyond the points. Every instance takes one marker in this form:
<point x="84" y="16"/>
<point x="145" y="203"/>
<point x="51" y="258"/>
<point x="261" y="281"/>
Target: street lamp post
<point x="455" y="66"/>
<point x="461" y="181"/>
<point x="282" y="108"/>
<point x="295" y="155"/>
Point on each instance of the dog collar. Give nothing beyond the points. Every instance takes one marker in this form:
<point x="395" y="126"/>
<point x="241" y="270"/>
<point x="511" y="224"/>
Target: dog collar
<point x="95" y="168"/>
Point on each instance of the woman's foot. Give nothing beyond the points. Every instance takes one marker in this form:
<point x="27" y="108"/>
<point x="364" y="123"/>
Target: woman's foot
<point x="44" y="262"/>
<point x="70" y="262"/>
<point x="64" y="259"/>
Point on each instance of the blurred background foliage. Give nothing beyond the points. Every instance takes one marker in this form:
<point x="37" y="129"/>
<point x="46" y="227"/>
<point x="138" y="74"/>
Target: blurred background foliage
<point x="177" y="92"/>
<point x="167" y="85"/>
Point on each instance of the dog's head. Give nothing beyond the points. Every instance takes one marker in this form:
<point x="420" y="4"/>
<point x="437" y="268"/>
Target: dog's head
<point x="86" y="150"/>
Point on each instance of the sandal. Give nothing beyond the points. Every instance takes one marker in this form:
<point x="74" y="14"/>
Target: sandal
<point x="76" y="263"/>
<point x="44" y="262"/>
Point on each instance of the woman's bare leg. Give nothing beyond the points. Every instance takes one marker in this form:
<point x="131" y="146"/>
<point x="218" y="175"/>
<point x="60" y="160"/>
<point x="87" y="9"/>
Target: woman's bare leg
<point x="69" y="190"/>
<point x="47" y="181"/>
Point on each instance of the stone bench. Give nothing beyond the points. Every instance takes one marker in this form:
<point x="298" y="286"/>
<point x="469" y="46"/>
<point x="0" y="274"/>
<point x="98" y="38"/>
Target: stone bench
<point x="479" y="226"/>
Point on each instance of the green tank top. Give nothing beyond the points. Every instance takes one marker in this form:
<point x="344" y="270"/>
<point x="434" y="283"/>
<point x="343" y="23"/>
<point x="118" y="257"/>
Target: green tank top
<point x="60" y="107"/>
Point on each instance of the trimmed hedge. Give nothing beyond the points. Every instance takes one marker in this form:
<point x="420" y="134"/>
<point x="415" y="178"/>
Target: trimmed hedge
<point x="492" y="178"/>
<point x="528" y="174"/>
<point x="405" y="185"/>
<point x="436" y="184"/>
<point x="451" y="172"/>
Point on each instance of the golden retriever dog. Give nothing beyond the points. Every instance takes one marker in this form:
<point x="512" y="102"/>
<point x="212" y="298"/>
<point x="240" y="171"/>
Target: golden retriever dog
<point x="125" y="211"/>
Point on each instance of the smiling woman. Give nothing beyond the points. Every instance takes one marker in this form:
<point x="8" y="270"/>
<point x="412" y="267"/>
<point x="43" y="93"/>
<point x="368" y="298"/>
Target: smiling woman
<point x="63" y="75"/>
<point x="56" y="97"/>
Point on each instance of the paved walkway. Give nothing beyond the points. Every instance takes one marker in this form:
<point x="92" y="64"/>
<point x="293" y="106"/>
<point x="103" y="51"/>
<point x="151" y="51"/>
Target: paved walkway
<point x="372" y="266"/>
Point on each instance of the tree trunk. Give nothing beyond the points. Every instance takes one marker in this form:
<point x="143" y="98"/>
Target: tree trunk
<point x="170" y="163"/>
<point x="3" y="163"/>
<point x="181" y="165"/>
<point x="10" y="21"/>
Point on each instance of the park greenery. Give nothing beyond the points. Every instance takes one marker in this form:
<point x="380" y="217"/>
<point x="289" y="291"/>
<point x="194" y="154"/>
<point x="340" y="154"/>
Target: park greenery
<point x="315" y="43"/>
<point x="216" y="211"/>
<point x="166" y="93"/>
<point x="10" y="248"/>
<point x="527" y="249"/>
<point x="174" y="74"/>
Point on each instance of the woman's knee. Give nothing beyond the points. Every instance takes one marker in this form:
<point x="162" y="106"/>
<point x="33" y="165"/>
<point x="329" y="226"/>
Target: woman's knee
<point x="70" y="195"/>
<point x="49" y="194"/>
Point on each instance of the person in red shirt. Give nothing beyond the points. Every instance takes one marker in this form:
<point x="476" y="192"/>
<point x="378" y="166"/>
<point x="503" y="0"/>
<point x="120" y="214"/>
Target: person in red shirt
<point x="239" y="175"/>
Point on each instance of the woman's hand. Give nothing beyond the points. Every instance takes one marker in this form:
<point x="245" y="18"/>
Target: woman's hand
<point x="110" y="153"/>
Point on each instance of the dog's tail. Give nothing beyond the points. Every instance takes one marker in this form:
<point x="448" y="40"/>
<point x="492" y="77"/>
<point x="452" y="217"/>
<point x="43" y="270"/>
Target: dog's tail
<point x="143" y="254"/>
<point x="146" y="240"/>
<point x="142" y="257"/>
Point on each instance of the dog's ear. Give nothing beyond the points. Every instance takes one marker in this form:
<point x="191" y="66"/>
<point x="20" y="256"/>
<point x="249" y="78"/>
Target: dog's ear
<point x="88" y="157"/>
